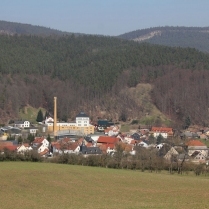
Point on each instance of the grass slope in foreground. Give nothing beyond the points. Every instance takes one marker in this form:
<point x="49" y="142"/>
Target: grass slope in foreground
<point x="45" y="185"/>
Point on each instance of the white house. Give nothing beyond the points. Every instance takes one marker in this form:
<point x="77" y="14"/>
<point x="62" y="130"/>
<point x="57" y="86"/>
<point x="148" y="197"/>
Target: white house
<point x="112" y="131"/>
<point x="196" y="145"/>
<point x="163" y="131"/>
<point x="67" y="148"/>
<point x="82" y="119"/>
<point x="22" y="124"/>
<point x="24" y="148"/>
<point x="40" y="140"/>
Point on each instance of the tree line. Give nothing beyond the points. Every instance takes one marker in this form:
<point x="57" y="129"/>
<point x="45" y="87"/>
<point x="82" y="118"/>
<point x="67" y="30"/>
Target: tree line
<point x="144" y="160"/>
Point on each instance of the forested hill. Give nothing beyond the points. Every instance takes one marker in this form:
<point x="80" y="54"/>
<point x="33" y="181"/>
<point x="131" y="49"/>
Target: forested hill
<point x="194" y="37"/>
<point x="93" y="74"/>
<point x="12" y="28"/>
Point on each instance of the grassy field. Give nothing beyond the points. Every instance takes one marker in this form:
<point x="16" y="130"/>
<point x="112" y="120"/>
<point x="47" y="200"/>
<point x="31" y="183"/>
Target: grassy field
<point x="45" y="185"/>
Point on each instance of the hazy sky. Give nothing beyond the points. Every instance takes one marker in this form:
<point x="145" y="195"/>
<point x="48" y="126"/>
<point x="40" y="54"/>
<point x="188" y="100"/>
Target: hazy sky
<point x="106" y="17"/>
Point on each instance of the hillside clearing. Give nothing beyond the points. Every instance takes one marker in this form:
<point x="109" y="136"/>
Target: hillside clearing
<point x="45" y="185"/>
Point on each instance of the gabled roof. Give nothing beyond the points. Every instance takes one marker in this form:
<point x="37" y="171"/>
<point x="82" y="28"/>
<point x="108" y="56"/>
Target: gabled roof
<point x="195" y="143"/>
<point x="38" y="140"/>
<point x="90" y="150"/>
<point x="72" y="146"/>
<point x="183" y="156"/>
<point x="108" y="140"/>
<point x="194" y="154"/>
<point x="161" y="129"/>
<point x="65" y="140"/>
<point x="164" y="149"/>
<point x="20" y="121"/>
<point x="82" y="115"/>
<point x="80" y="141"/>
<point x="6" y="143"/>
<point x="135" y="136"/>
<point x="104" y="147"/>
<point x="44" y="152"/>
<point x="9" y="147"/>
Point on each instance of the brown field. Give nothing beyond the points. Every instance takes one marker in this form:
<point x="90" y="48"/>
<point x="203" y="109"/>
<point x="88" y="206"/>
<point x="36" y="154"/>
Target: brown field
<point x="45" y="185"/>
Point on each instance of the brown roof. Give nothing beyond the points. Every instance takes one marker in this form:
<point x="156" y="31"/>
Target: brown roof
<point x="66" y="140"/>
<point x="38" y="140"/>
<point x="72" y="146"/>
<point x="66" y="146"/>
<point x="161" y="129"/>
<point x="9" y="147"/>
<point x="107" y="140"/>
<point x="104" y="147"/>
<point x="195" y="143"/>
<point x="4" y="143"/>
<point x="80" y="141"/>
<point x="44" y="152"/>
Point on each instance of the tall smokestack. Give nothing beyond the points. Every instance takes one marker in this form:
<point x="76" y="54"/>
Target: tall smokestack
<point x="55" y="116"/>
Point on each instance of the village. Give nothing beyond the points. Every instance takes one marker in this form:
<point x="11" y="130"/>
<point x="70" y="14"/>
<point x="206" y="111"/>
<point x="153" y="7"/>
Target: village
<point x="52" y="138"/>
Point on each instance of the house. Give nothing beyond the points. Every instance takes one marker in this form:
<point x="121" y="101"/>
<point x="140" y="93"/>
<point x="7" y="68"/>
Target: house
<point x="164" y="131"/>
<point x="198" y="157"/>
<point x="196" y="145"/>
<point x="80" y="126"/>
<point x="135" y="136"/>
<point x="72" y="148"/>
<point x="107" y="148"/>
<point x="40" y="140"/>
<point x="24" y="148"/>
<point x="44" y="153"/>
<point x="183" y="157"/>
<point x="22" y="124"/>
<point x="159" y="146"/>
<point x="128" y="139"/>
<point x="67" y="148"/>
<point x="107" y="140"/>
<point x="103" y="124"/>
<point x="143" y="144"/>
<point x="49" y="120"/>
<point x="32" y="130"/>
<point x="107" y="144"/>
<point x="167" y="152"/>
<point x="40" y="148"/>
<point x="144" y="131"/>
<point x="95" y="136"/>
<point x="12" y="148"/>
<point x="112" y="131"/>
<point x="90" y="150"/>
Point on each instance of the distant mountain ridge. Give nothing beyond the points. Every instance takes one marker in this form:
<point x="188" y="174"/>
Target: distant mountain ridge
<point x="194" y="37"/>
<point x="12" y="28"/>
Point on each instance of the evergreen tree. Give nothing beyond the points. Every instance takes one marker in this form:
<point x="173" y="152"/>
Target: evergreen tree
<point x="187" y="122"/>
<point x="46" y="115"/>
<point x="30" y="137"/>
<point x="40" y="116"/>
<point x="20" y="140"/>
<point x="160" y="139"/>
<point x="49" y="138"/>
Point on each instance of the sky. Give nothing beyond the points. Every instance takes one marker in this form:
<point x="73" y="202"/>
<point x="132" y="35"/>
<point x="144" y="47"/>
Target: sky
<point x="106" y="17"/>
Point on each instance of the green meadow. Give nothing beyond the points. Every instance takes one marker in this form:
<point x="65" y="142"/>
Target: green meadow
<point x="56" y="186"/>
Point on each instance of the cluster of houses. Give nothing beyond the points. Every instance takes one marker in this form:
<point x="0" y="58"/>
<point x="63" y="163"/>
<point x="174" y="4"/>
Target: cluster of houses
<point x="103" y="138"/>
<point x="107" y="141"/>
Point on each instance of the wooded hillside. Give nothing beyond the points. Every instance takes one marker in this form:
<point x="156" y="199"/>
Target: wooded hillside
<point x="12" y="28"/>
<point x="194" y="37"/>
<point x="92" y="73"/>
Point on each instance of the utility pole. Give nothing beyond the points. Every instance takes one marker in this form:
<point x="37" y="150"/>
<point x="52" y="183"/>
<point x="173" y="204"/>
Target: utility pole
<point x="55" y="117"/>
